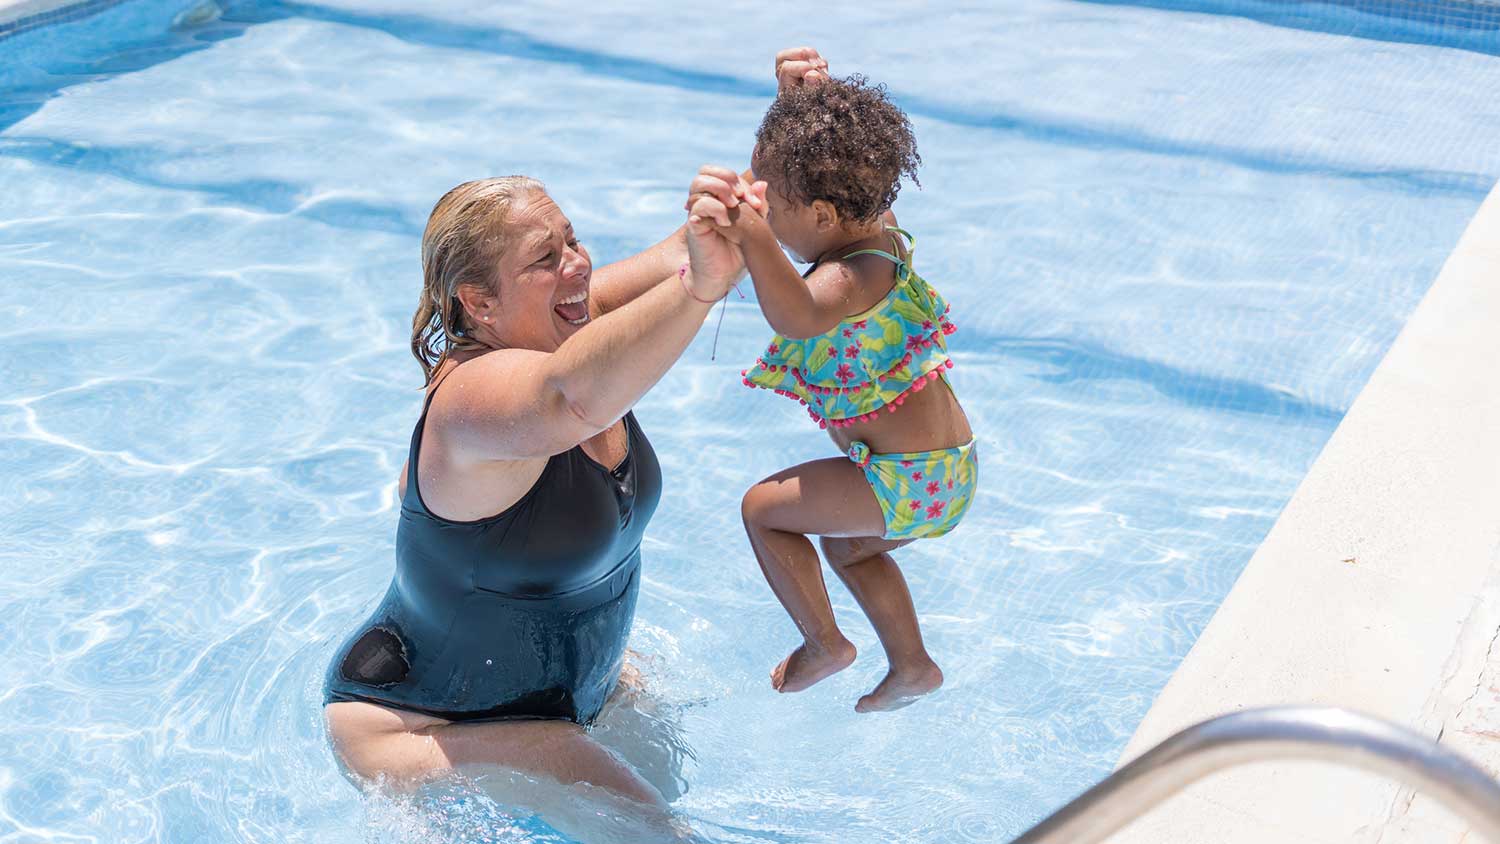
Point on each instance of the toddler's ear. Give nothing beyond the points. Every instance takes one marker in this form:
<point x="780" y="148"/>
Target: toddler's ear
<point x="825" y="214"/>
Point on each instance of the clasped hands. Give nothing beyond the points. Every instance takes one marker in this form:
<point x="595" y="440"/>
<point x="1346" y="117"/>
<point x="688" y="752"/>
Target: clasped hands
<point x="724" y="208"/>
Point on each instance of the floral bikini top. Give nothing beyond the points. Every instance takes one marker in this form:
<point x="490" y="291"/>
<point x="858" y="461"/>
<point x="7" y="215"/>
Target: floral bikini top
<point x="868" y="361"/>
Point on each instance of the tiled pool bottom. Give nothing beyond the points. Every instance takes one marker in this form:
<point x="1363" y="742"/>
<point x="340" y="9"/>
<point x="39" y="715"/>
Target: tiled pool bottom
<point x="210" y="241"/>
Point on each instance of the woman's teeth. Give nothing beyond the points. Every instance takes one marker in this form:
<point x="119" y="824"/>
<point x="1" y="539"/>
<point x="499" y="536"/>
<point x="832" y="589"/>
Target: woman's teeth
<point x="574" y="309"/>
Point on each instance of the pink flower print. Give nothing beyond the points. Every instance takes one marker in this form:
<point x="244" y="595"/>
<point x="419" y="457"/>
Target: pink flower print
<point x="861" y="324"/>
<point x="844" y="373"/>
<point x="926" y="325"/>
<point x="848" y="333"/>
<point x="935" y="510"/>
<point x="851" y="351"/>
<point x="915" y="506"/>
<point x="932" y="487"/>
<point x="773" y="350"/>
<point x="907" y="463"/>
<point x="916" y="476"/>
<point x="950" y="484"/>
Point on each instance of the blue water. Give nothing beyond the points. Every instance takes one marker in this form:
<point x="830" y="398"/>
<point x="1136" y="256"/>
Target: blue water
<point x="1176" y="245"/>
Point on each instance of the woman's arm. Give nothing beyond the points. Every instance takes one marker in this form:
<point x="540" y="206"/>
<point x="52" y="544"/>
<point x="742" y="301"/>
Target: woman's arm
<point x="616" y="284"/>
<point x="518" y="404"/>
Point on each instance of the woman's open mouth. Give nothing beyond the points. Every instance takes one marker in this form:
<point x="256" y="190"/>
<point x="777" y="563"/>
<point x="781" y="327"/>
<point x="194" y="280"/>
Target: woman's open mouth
<point x="574" y="310"/>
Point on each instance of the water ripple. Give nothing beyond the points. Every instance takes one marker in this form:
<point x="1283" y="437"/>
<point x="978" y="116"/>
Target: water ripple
<point x="208" y="241"/>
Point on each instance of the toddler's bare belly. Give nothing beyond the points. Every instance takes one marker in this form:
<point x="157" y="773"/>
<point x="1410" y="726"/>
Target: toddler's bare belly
<point x="929" y="419"/>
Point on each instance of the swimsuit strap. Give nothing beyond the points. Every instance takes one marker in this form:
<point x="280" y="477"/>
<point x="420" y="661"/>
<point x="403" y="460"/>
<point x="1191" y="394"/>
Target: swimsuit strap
<point x="911" y="243"/>
<point x="433" y="388"/>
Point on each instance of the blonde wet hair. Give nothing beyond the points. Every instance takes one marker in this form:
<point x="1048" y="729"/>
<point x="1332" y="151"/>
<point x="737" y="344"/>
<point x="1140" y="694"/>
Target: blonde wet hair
<point x="461" y="246"/>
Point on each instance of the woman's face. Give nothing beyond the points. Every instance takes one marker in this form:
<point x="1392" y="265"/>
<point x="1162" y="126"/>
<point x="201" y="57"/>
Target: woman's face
<point x="543" y="278"/>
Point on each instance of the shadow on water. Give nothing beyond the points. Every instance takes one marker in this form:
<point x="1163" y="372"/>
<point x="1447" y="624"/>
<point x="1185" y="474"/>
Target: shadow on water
<point x="143" y="165"/>
<point x="1074" y="361"/>
<point x="77" y="61"/>
<point x="512" y="43"/>
<point x="480" y="37"/>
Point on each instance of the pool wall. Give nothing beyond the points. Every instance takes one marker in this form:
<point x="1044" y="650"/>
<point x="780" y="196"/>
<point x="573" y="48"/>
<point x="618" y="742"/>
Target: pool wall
<point x="17" y="16"/>
<point x="1462" y="24"/>
<point x="1378" y="589"/>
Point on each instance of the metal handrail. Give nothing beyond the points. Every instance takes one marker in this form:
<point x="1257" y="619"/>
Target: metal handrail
<point x="1323" y="734"/>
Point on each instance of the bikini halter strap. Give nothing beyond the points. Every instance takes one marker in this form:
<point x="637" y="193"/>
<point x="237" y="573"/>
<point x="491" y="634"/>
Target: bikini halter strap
<point x="911" y="243"/>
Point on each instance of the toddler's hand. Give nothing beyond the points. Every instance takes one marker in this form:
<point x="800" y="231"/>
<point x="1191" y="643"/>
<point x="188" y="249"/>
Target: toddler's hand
<point x="715" y="200"/>
<point x="720" y="199"/>
<point x="748" y="219"/>
<point x="799" y="66"/>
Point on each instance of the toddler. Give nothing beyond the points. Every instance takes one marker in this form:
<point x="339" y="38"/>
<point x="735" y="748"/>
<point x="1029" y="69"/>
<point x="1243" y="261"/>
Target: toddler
<point x="861" y="340"/>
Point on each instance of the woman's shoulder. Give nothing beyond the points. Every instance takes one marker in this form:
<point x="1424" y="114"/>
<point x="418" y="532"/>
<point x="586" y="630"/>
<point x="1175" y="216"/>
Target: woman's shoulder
<point x="474" y="401"/>
<point x="483" y="367"/>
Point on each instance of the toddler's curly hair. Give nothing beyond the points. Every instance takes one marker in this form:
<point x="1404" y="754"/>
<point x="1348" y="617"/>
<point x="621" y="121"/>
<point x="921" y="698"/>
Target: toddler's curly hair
<point x="842" y="141"/>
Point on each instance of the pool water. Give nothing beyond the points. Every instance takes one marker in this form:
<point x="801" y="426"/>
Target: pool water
<point x="1176" y="245"/>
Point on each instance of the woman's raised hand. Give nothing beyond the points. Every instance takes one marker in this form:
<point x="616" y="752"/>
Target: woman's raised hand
<point x="715" y="200"/>
<point x="799" y="66"/>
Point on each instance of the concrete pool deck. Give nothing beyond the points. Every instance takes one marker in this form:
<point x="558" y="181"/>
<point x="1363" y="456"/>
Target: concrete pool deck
<point x="1378" y="589"/>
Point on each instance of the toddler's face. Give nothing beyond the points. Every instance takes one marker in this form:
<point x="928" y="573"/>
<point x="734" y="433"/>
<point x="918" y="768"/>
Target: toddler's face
<point x="794" y="224"/>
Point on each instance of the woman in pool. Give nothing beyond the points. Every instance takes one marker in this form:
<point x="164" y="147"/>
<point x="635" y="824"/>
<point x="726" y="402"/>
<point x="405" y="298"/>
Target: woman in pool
<point x="527" y="487"/>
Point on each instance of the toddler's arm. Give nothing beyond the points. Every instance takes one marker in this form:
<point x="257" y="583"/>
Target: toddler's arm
<point x="795" y="307"/>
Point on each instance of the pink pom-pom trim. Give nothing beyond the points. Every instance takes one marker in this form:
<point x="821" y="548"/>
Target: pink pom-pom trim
<point x="817" y="391"/>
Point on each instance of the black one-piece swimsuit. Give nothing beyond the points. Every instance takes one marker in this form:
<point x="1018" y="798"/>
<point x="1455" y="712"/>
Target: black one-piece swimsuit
<point x="520" y="615"/>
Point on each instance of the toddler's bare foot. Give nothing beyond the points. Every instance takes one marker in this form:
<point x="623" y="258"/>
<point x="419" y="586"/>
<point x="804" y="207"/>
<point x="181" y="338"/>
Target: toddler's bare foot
<point x="901" y="687"/>
<point x="810" y="663"/>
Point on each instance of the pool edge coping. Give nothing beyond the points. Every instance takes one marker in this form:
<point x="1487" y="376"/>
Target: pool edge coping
<point x="1377" y="589"/>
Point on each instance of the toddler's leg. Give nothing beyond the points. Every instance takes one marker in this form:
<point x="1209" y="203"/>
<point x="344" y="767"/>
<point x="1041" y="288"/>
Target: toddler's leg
<point x="875" y="580"/>
<point x="828" y="497"/>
